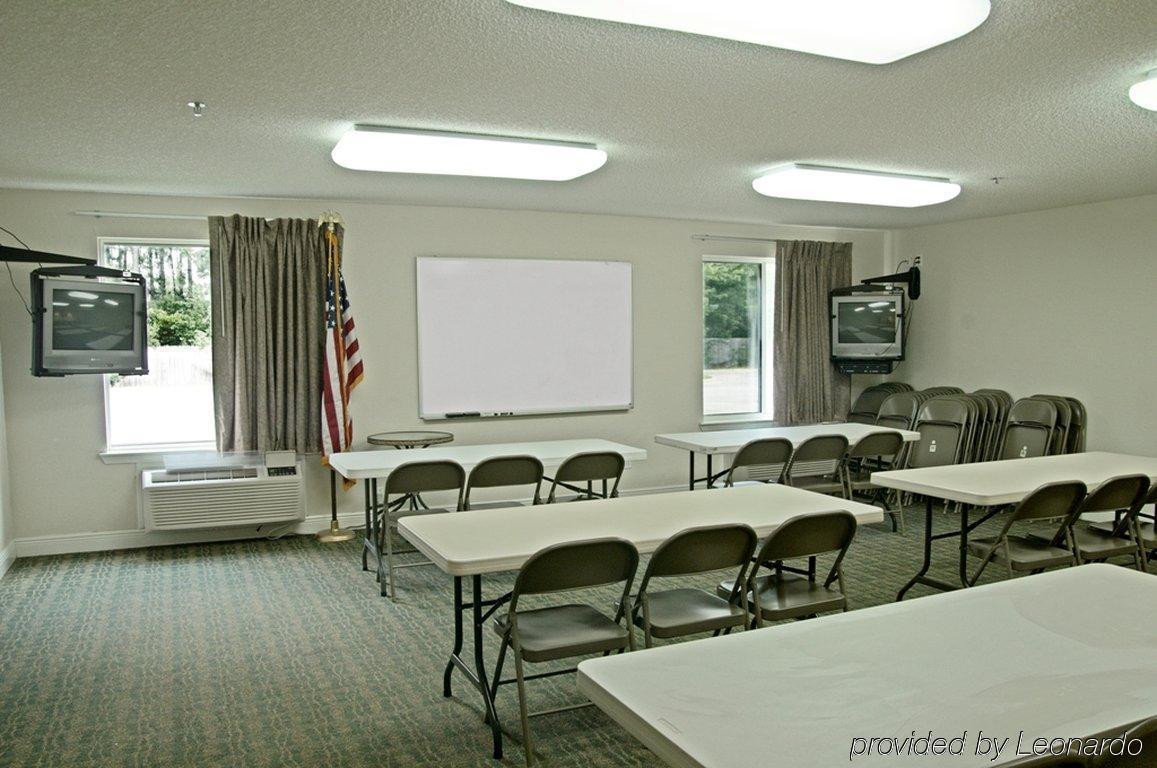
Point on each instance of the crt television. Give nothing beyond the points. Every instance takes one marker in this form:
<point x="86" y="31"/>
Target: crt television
<point x="868" y="326"/>
<point x="88" y="324"/>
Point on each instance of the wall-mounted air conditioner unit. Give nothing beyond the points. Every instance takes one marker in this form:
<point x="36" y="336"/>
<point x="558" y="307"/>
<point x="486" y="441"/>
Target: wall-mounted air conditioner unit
<point x="222" y="497"/>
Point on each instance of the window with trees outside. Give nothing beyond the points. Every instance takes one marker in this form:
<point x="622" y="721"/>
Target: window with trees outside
<point x="738" y="296"/>
<point x="171" y="407"/>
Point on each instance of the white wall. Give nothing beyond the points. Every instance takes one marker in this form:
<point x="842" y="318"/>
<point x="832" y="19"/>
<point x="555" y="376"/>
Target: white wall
<point x="61" y="488"/>
<point x="7" y="533"/>
<point x="1061" y="301"/>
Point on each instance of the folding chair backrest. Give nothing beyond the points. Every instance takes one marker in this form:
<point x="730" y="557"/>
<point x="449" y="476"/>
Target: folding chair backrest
<point x="1025" y="441"/>
<point x="819" y="455"/>
<point x="939" y="445"/>
<point x="597" y="465"/>
<point x="877" y="444"/>
<point x="867" y="405"/>
<point x="505" y="471"/>
<point x="1053" y="500"/>
<point x="808" y="535"/>
<point x="937" y="391"/>
<point x="1034" y="410"/>
<point x="899" y="410"/>
<point x="425" y="477"/>
<point x="1144" y="732"/>
<point x="774" y="452"/>
<point x="577" y="565"/>
<point x="1124" y="492"/>
<point x="699" y="550"/>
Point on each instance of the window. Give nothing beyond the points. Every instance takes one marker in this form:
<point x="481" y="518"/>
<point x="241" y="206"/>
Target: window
<point x="172" y="407"/>
<point x="738" y="296"/>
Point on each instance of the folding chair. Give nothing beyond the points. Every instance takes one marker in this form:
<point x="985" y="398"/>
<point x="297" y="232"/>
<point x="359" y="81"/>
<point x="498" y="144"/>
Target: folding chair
<point x="564" y="631"/>
<point x="784" y="595"/>
<point x="1146" y="733"/>
<point x="817" y="464"/>
<point x="604" y="466"/>
<point x="406" y="481"/>
<point x="687" y="611"/>
<point x="875" y="453"/>
<point x="1097" y="542"/>
<point x="1029" y="433"/>
<point x="504" y="472"/>
<point x="768" y="457"/>
<point x="1031" y="553"/>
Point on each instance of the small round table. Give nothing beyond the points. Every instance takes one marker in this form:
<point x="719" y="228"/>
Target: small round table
<point x="410" y="439"/>
<point x="404" y="440"/>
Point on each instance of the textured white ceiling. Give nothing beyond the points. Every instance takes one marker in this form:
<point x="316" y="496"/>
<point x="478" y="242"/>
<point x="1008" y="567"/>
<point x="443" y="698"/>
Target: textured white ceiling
<point x="92" y="97"/>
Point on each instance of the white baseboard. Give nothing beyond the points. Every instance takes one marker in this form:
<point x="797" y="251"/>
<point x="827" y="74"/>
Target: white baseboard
<point x="7" y="558"/>
<point x="103" y="541"/>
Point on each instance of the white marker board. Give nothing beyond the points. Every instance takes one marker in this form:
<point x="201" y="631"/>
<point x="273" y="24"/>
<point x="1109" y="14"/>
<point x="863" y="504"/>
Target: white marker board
<point x="523" y="336"/>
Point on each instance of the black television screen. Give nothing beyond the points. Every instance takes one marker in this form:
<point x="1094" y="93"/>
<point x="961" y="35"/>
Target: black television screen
<point x="88" y="326"/>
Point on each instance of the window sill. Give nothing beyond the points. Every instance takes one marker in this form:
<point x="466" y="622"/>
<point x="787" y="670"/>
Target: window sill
<point x="738" y="421"/>
<point x="151" y="455"/>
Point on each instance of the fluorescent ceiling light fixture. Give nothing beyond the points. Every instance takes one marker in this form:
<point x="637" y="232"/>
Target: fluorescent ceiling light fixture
<point x="398" y="150"/>
<point x="83" y="295"/>
<point x="86" y="306"/>
<point x="112" y="302"/>
<point x="60" y="304"/>
<point x="871" y="31"/>
<point x="1144" y="93"/>
<point x="840" y="185"/>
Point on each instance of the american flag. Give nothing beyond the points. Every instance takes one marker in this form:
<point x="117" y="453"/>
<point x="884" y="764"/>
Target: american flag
<point x="343" y="361"/>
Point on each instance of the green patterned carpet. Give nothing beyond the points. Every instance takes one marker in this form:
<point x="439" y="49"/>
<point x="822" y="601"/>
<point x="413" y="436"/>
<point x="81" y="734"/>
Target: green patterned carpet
<point x="281" y="653"/>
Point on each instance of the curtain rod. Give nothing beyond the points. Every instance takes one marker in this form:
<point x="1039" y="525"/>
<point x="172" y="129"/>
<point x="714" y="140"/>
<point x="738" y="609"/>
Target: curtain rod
<point x="734" y="239"/>
<point x="127" y="215"/>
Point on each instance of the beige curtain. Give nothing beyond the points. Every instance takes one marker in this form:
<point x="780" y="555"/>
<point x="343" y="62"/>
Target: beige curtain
<point x="268" y="283"/>
<point x="808" y="389"/>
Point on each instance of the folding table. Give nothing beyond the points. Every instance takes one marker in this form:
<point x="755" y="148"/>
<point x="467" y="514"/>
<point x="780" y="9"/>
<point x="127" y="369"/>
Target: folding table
<point x="1068" y="654"/>
<point x="476" y="543"/>
<point x="373" y="465"/>
<point x="994" y="484"/>
<point x="728" y="441"/>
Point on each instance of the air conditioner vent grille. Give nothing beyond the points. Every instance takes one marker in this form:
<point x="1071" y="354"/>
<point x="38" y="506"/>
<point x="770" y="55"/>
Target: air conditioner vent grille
<point x="220" y="498"/>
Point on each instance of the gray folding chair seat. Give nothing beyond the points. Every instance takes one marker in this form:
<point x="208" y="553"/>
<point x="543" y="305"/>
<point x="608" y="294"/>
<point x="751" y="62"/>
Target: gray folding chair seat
<point x="1023" y="553"/>
<point x="679" y="612"/>
<point x="1030" y="553"/>
<point x="562" y="631"/>
<point x="686" y="611"/>
<point x="1095" y="544"/>
<point x="791" y="596"/>
<point x="769" y="457"/>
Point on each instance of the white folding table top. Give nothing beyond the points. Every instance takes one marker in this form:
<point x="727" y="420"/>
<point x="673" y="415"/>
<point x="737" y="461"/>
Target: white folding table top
<point x="991" y="483"/>
<point x="1071" y="653"/>
<point x="493" y="540"/>
<point x="360" y="465"/>
<point x="731" y="440"/>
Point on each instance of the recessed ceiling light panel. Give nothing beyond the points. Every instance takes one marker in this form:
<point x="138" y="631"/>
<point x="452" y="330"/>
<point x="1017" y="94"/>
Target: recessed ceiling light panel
<point x="1144" y="93"/>
<point x="397" y="150"/>
<point x="871" y="31"/>
<point x="839" y="185"/>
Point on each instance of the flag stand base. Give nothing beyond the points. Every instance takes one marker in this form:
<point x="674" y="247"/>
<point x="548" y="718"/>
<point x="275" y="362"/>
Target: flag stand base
<point x="335" y="533"/>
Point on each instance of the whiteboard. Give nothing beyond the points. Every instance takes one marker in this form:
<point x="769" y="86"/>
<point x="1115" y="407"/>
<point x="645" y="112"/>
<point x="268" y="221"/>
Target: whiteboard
<point x="506" y="337"/>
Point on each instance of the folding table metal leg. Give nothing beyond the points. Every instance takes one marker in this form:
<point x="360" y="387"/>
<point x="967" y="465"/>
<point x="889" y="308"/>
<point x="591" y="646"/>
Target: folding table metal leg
<point x="690" y="470"/>
<point x="922" y="576"/>
<point x="964" y="529"/>
<point x="475" y="673"/>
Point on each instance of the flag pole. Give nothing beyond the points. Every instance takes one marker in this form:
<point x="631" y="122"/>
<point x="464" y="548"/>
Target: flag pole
<point x="335" y="533"/>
